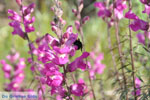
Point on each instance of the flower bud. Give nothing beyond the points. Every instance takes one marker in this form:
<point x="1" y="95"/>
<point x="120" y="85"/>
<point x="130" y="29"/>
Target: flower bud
<point x="85" y="19"/>
<point x="77" y="24"/>
<point x="19" y="2"/>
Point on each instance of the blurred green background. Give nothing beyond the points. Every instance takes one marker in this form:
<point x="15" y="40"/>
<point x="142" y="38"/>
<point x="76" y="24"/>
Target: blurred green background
<point x="95" y="32"/>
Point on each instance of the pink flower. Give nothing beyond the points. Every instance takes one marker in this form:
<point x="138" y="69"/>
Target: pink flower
<point x="147" y="2"/>
<point x="19" y="77"/>
<point x="17" y="29"/>
<point x="29" y="9"/>
<point x="78" y="89"/>
<point x="77" y="24"/>
<point x="20" y="66"/>
<point x="6" y="68"/>
<point x="146" y="10"/>
<point x="120" y="6"/>
<point x="60" y="59"/>
<point x="13" y="57"/>
<point x="137" y="83"/>
<point x="54" y="77"/>
<point x="131" y="15"/>
<point x="59" y="51"/>
<point x="71" y="39"/>
<point x="98" y="67"/>
<point x="19" y="2"/>
<point x="58" y="97"/>
<point x="27" y="17"/>
<point x="15" y="16"/>
<point x="49" y="69"/>
<point x="78" y="63"/>
<point x="40" y="93"/>
<point x="103" y="11"/>
<point x="59" y="90"/>
<point x="27" y="20"/>
<point x="45" y="55"/>
<point x="15" y="76"/>
<point x="141" y="38"/>
<point x="85" y="19"/>
<point x="100" y="5"/>
<point x="14" y="86"/>
<point x="147" y="34"/>
<point x="139" y="24"/>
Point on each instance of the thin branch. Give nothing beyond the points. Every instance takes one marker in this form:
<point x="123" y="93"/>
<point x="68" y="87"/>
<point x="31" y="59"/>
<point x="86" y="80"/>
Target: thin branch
<point x="120" y="50"/>
<point x="112" y="54"/>
<point x="131" y="54"/>
<point x="30" y="47"/>
<point x="82" y="37"/>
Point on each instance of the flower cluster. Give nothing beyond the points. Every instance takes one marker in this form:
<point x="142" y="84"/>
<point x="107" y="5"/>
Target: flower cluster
<point x="54" y="54"/>
<point x="106" y="12"/>
<point x="138" y="88"/>
<point x="23" y="18"/>
<point x="139" y="24"/>
<point x="97" y="67"/>
<point x="136" y="24"/>
<point x="14" y="71"/>
<point x="138" y="84"/>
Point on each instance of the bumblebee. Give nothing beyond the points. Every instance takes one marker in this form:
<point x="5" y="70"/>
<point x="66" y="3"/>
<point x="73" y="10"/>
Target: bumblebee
<point x="79" y="44"/>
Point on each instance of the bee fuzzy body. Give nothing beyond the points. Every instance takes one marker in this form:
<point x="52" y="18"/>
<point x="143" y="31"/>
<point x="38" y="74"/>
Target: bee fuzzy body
<point x="79" y="44"/>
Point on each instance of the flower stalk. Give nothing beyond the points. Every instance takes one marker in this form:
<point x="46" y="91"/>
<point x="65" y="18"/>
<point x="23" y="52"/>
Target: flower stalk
<point x="131" y="55"/>
<point x="120" y="51"/>
<point x="79" y="27"/>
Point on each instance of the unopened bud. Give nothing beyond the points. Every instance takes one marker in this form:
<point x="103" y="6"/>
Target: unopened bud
<point x="19" y="2"/>
<point x="54" y="28"/>
<point x="85" y="19"/>
<point x="77" y="24"/>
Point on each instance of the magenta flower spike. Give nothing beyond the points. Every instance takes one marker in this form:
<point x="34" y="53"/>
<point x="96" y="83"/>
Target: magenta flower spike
<point x="24" y="18"/>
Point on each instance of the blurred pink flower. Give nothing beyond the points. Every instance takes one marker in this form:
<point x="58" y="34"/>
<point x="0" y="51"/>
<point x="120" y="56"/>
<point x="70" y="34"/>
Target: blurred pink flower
<point x="139" y="24"/>
<point x="120" y="6"/>
<point x="137" y="83"/>
<point x="97" y="67"/>
<point x="147" y="10"/>
<point x="147" y="2"/>
<point x="103" y="11"/>
<point x="6" y="68"/>
<point x="14" y="15"/>
<point x="17" y="29"/>
<point x="77" y="25"/>
<point x="85" y="19"/>
<point x="26" y="17"/>
<point x="141" y="38"/>
<point x="131" y="15"/>
<point x="13" y="57"/>
<point x="78" y="89"/>
<point x="54" y="78"/>
<point x="78" y="63"/>
<point x="59" y="90"/>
